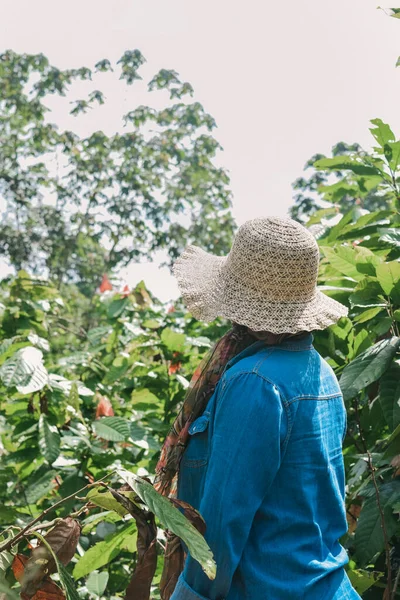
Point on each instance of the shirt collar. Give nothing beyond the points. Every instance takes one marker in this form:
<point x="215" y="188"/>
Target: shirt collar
<point x="291" y="344"/>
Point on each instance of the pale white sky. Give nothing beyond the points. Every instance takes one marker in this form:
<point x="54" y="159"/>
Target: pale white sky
<point x="283" y="80"/>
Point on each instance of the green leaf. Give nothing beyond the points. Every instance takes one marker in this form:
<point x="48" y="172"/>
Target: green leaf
<point x="106" y="500"/>
<point x="389" y="396"/>
<point x="361" y="580"/>
<point x="73" y="398"/>
<point x="343" y="259"/>
<point x="103" y="552"/>
<point x="97" y="582"/>
<point x="390" y="236"/>
<point x="382" y="132"/>
<point x="6" y="559"/>
<point x="40" y="488"/>
<point x="143" y="399"/>
<point x="67" y="583"/>
<point x="361" y="342"/>
<point x="367" y="315"/>
<point x="340" y="163"/>
<point x="114" y="429"/>
<point x="388" y="275"/>
<point x="117" y="307"/>
<point x="396" y="315"/>
<point x="369" y="538"/>
<point x="174" y="341"/>
<point x="9" y="593"/>
<point x="49" y="440"/>
<point x="173" y="520"/>
<point x="25" y="371"/>
<point x="395" y="155"/>
<point x="367" y="294"/>
<point x="367" y="367"/>
<point x="151" y="324"/>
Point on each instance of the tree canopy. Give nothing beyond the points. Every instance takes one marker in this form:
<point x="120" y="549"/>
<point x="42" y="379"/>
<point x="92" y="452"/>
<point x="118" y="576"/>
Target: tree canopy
<point x="76" y="207"/>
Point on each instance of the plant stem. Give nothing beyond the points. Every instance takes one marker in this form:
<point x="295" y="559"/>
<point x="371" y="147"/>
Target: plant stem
<point x="378" y="499"/>
<point x="7" y="545"/>
<point x="396" y="583"/>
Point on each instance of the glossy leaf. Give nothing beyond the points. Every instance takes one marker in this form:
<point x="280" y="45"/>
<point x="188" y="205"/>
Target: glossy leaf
<point x="114" y="429"/>
<point x="369" y="535"/>
<point x="174" y="520"/>
<point x="25" y="371"/>
<point x="103" y="552"/>
<point x="388" y="275"/>
<point x="367" y="367"/>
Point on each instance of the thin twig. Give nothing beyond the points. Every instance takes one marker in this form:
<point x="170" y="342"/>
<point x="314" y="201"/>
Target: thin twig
<point x="396" y="583"/>
<point x="7" y="545"/>
<point x="378" y="499"/>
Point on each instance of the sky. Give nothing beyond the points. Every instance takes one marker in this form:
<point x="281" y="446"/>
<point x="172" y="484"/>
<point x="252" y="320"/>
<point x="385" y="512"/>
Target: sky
<point x="283" y="80"/>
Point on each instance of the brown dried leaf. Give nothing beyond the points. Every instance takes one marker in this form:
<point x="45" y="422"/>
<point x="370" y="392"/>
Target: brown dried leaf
<point x="173" y="565"/>
<point x="49" y="591"/>
<point x="63" y="539"/>
<point x="140" y="584"/>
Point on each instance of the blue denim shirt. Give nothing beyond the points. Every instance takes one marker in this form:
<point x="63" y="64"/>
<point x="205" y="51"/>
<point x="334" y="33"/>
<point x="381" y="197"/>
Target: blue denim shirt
<point x="264" y="467"/>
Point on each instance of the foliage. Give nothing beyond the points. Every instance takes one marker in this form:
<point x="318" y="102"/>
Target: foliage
<point x="84" y="400"/>
<point x="361" y="267"/>
<point x="326" y="194"/>
<point x="75" y="207"/>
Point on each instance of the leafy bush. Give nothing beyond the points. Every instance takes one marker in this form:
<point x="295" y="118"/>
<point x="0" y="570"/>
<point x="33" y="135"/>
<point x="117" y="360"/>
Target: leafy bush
<point x="89" y="388"/>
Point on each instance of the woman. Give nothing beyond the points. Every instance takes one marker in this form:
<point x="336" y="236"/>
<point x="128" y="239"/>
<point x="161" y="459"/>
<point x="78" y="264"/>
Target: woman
<point x="257" y="446"/>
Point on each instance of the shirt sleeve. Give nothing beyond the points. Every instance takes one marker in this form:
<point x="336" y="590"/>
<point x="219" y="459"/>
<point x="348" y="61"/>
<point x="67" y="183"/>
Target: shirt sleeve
<point x="249" y="428"/>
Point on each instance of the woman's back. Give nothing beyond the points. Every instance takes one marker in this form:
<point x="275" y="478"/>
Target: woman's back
<point x="288" y="546"/>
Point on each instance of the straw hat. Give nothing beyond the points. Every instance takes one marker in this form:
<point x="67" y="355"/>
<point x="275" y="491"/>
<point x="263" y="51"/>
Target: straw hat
<point x="267" y="282"/>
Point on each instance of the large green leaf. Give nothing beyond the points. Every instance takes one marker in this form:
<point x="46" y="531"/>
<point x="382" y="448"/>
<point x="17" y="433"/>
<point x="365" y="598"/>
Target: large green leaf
<point x="173" y="520"/>
<point x="343" y="259"/>
<point x="49" y="440"/>
<point x="389" y="396"/>
<point x="368" y="366"/>
<point x="114" y="429"/>
<point x="388" y="275"/>
<point x="369" y="538"/>
<point x="104" y="552"/>
<point x="25" y="371"/>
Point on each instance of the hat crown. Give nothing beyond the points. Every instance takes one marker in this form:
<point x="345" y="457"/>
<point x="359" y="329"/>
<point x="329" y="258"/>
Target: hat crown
<point x="277" y="256"/>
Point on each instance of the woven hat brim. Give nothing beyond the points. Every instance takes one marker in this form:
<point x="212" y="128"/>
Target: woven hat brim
<point x="207" y="295"/>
